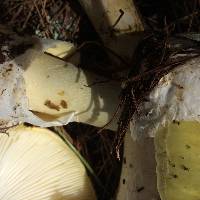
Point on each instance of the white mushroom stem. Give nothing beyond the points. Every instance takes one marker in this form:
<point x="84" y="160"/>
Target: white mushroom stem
<point x="117" y="22"/>
<point x="138" y="177"/>
<point x="37" y="164"/>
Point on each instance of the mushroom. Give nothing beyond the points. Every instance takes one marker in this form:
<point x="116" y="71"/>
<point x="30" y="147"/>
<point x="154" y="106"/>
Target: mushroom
<point x="118" y="24"/>
<point x="177" y="136"/>
<point x="58" y="88"/>
<point x="50" y="91"/>
<point x="164" y="151"/>
<point x="37" y="164"/>
<point x="46" y="91"/>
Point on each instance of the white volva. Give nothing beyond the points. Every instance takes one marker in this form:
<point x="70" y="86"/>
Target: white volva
<point x="35" y="164"/>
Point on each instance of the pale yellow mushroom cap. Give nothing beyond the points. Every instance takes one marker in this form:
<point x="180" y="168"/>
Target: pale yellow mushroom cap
<point x="35" y="164"/>
<point x="58" y="88"/>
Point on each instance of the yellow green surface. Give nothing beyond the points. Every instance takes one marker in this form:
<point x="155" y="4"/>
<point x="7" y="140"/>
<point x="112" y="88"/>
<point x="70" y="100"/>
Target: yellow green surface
<point x="178" y="161"/>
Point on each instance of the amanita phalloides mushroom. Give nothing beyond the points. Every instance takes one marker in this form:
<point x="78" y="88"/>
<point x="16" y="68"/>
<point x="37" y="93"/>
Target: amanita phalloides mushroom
<point x="49" y="91"/>
<point x="171" y="115"/>
<point x="45" y="91"/>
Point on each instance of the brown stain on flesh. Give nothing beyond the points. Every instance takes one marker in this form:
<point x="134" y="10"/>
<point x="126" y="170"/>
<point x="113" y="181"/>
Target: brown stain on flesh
<point x="63" y="103"/>
<point x="51" y="105"/>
